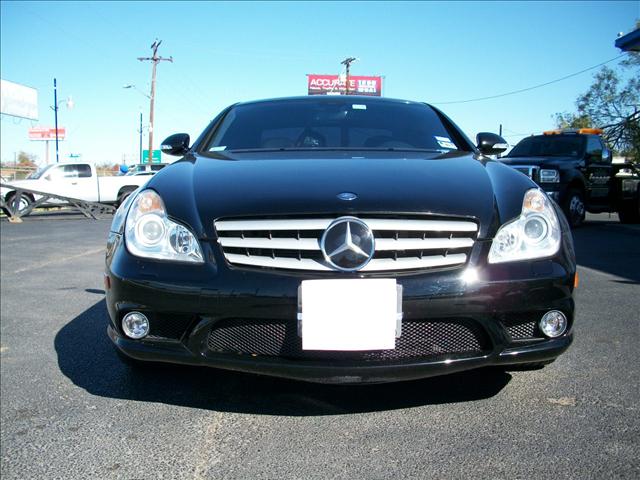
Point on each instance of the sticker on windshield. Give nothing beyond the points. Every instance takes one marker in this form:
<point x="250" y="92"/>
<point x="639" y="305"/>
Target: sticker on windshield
<point x="445" y="142"/>
<point x="358" y="106"/>
<point x="218" y="149"/>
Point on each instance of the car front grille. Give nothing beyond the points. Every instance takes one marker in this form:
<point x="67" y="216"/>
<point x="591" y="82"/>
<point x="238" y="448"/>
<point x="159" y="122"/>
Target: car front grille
<point x="401" y="244"/>
<point x="279" y="338"/>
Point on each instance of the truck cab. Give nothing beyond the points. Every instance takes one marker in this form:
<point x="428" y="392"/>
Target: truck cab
<point x="574" y="167"/>
<point x="75" y="180"/>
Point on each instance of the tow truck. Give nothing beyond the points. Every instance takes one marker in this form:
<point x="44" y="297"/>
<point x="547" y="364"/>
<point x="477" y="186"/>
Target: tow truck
<point x="574" y="167"/>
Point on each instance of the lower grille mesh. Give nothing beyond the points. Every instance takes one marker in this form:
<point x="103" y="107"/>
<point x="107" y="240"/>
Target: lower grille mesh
<point x="278" y="338"/>
<point x="171" y="326"/>
<point x="522" y="326"/>
<point x="524" y="330"/>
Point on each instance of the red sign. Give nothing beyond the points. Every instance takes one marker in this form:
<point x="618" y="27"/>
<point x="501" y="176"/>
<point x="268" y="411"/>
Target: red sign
<point x="46" y="133"/>
<point x="333" y="85"/>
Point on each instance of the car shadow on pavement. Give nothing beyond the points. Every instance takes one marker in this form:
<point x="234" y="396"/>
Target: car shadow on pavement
<point x="87" y="357"/>
<point x="609" y="247"/>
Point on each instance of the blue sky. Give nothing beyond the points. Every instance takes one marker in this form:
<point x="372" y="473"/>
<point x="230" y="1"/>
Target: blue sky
<point x="229" y="52"/>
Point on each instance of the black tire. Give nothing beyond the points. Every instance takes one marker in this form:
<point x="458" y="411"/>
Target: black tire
<point x="25" y="202"/>
<point x="630" y="213"/>
<point x="123" y="196"/>
<point x="574" y="208"/>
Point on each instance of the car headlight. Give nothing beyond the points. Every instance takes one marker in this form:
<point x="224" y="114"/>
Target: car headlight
<point x="534" y="234"/>
<point x="549" y="176"/>
<point x="149" y="232"/>
<point x="120" y="216"/>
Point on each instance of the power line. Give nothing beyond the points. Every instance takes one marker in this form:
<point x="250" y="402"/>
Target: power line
<point x="528" y="88"/>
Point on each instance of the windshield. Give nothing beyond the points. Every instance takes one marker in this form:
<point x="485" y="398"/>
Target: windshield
<point x="38" y="173"/>
<point x="549" y="146"/>
<point x="341" y="123"/>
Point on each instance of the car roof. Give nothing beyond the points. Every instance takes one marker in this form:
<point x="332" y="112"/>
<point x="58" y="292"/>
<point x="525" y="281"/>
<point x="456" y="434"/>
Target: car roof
<point x="562" y="135"/>
<point x="329" y="99"/>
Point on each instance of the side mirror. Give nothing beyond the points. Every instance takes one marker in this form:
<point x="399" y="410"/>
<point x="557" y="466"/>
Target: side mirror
<point x="490" y="143"/>
<point x="176" y="144"/>
<point x="606" y="155"/>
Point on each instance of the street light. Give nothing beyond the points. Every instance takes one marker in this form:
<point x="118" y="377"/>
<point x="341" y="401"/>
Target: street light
<point x="56" y="105"/>
<point x="140" y="129"/>
<point x="136" y="89"/>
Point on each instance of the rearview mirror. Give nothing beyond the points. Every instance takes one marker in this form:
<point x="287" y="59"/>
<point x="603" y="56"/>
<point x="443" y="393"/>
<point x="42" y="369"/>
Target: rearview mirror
<point x="490" y="143"/>
<point x="176" y="144"/>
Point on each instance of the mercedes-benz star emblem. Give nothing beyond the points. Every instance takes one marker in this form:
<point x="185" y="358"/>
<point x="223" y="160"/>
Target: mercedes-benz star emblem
<point x="347" y="244"/>
<point x="347" y="196"/>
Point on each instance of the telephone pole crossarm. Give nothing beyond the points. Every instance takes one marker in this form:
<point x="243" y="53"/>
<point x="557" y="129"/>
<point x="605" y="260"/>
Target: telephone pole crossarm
<point x="347" y="64"/>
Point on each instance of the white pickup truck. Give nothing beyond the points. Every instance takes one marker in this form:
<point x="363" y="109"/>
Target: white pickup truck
<point x="74" y="180"/>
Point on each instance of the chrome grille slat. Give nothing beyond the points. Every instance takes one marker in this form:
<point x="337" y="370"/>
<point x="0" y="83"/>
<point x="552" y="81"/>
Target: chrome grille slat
<point x="420" y="225"/>
<point x="273" y="243"/>
<point x="288" y="224"/>
<point x="375" y="265"/>
<point x="401" y="244"/>
<point x="386" y="264"/>
<point x="386" y="244"/>
<point x="323" y="223"/>
<point x="278" y="262"/>
<point x="382" y="244"/>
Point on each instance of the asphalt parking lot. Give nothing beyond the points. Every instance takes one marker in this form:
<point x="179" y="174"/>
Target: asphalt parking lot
<point x="70" y="409"/>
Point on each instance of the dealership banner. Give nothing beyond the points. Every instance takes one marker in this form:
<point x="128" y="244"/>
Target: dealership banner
<point x="47" y="133"/>
<point x="337" y="85"/>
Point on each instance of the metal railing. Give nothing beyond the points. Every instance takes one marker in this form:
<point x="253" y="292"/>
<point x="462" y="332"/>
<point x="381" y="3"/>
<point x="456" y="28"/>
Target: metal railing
<point x="12" y="206"/>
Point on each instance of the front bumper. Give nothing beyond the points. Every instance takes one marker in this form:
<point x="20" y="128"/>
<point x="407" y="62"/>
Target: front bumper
<point x="340" y="372"/>
<point x="187" y="304"/>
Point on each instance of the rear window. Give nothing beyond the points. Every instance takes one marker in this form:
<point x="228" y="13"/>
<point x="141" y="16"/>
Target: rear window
<point x="342" y="123"/>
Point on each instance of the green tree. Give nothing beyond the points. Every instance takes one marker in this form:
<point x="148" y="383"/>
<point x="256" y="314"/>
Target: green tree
<point x="27" y="160"/>
<point x="612" y="104"/>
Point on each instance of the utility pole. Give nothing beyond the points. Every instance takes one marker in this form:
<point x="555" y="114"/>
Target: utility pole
<point x="347" y="63"/>
<point x="56" y="107"/>
<point x="55" y="110"/>
<point x="140" y="160"/>
<point x="155" y="59"/>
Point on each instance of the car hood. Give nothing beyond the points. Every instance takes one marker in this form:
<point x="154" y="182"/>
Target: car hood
<point x="248" y="185"/>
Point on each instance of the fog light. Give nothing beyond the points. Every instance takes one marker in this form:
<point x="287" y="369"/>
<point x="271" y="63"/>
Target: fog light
<point x="553" y="323"/>
<point x="135" y="325"/>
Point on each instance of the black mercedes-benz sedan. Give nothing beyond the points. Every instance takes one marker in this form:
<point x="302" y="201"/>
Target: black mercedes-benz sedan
<point x="339" y="239"/>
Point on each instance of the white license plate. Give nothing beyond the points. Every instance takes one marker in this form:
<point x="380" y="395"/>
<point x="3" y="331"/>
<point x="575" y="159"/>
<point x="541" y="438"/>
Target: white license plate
<point x="349" y="314"/>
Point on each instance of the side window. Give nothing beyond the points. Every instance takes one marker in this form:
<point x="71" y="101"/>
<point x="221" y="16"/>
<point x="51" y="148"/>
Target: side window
<point x="84" y="170"/>
<point x="81" y="170"/>
<point x="70" y="171"/>
<point x="55" y="173"/>
<point x="594" y="148"/>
